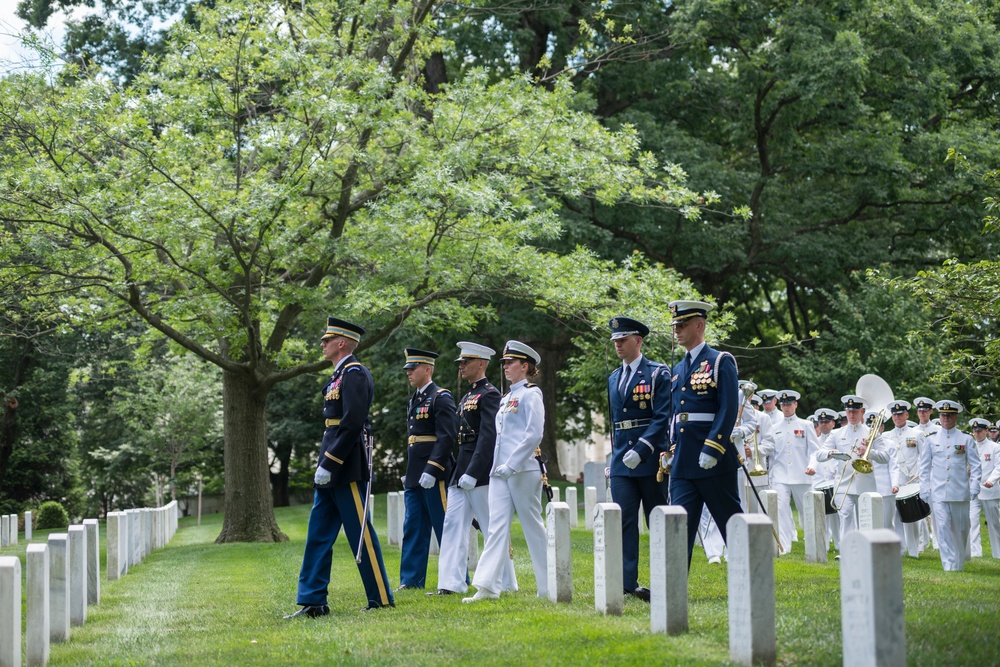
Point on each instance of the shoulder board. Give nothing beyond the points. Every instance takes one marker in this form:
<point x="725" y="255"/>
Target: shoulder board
<point x="531" y="385"/>
<point x="353" y="364"/>
<point x="929" y="433"/>
<point x="442" y="390"/>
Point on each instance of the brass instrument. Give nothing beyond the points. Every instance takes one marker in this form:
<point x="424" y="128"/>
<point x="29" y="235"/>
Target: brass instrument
<point x="758" y="469"/>
<point x="878" y="395"/>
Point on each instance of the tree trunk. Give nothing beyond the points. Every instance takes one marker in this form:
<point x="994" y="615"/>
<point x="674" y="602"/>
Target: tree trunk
<point x="548" y="379"/>
<point x="249" y="514"/>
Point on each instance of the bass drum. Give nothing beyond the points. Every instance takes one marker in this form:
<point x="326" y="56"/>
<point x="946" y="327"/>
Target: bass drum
<point x="910" y="505"/>
<point x="826" y="488"/>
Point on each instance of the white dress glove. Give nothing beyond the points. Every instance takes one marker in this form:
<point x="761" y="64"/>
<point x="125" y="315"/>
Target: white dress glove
<point x="427" y="480"/>
<point x="707" y="461"/>
<point x="467" y="482"/>
<point x="503" y="471"/>
<point x="631" y="459"/>
<point x="322" y="476"/>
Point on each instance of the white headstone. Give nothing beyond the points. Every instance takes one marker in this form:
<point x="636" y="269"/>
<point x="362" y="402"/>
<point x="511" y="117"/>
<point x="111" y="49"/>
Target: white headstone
<point x="13" y="529"/>
<point x="560" y="553"/>
<point x="473" y="559"/>
<point x="668" y="570"/>
<point x="10" y="611"/>
<point x="157" y="528"/>
<point x="135" y="536"/>
<point x="589" y="503"/>
<point x="608" y="591"/>
<point x="77" y="575"/>
<point x="574" y="507"/>
<point x="392" y="509"/>
<point x="770" y="500"/>
<point x="113" y="555"/>
<point x="147" y="531"/>
<point x="870" y="513"/>
<point x="814" y="527"/>
<point x="752" y="636"/>
<point x="593" y="475"/>
<point x="871" y="599"/>
<point x="556" y="494"/>
<point x="36" y="578"/>
<point x="27" y="526"/>
<point x="93" y="561"/>
<point x="58" y="587"/>
<point x="5" y="530"/>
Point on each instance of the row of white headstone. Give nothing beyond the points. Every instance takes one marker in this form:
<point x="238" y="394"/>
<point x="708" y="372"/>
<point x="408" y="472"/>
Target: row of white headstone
<point x="9" y="529"/>
<point x="62" y="578"/>
<point x="871" y="582"/>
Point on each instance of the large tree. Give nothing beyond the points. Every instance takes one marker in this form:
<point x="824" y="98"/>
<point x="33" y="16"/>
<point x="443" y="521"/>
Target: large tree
<point x="282" y="163"/>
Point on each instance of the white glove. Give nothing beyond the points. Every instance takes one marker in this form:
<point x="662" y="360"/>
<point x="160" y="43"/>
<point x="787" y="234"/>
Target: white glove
<point x="707" y="461"/>
<point x="322" y="476"/>
<point x="631" y="459"/>
<point x="467" y="482"/>
<point x="503" y="471"/>
<point x="840" y="456"/>
<point x="427" y="480"/>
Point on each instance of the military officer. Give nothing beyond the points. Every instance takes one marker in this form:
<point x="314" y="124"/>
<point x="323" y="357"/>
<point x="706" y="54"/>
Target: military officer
<point x="824" y="474"/>
<point x="950" y="475"/>
<point x="989" y="494"/>
<point x="432" y="424"/>
<point x="639" y="401"/>
<point x="847" y="444"/>
<point x="468" y="493"/>
<point x="902" y="438"/>
<point x="886" y="475"/>
<point x="704" y="402"/>
<point x="979" y="429"/>
<point x="924" y="407"/>
<point x="753" y="428"/>
<point x="793" y="442"/>
<point x="342" y="479"/>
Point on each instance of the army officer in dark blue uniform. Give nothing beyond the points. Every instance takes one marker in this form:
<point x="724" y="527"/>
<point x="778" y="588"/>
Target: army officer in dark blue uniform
<point x="704" y="402"/>
<point x="342" y="479"/>
<point x="432" y="423"/>
<point x="639" y="399"/>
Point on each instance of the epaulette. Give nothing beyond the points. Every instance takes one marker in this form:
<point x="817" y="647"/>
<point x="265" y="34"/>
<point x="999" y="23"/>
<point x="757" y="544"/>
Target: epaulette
<point x="529" y="385"/>
<point x="351" y="365"/>
<point x="442" y="390"/>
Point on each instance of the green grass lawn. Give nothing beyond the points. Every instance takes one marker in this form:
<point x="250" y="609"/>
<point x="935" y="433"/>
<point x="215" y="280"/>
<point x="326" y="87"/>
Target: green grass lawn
<point x="197" y="603"/>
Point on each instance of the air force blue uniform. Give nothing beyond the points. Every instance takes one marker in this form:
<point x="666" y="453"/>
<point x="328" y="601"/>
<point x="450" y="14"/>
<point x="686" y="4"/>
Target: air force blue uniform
<point x="432" y="424"/>
<point x="704" y="404"/>
<point x="347" y="399"/>
<point x="641" y="414"/>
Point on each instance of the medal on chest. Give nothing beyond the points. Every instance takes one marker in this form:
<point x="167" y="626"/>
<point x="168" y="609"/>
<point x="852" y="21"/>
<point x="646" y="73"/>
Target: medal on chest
<point x="333" y="390"/>
<point x="471" y="402"/>
<point x="423" y="412"/>
<point x="701" y="379"/>
<point x="511" y="405"/>
<point x="641" y="393"/>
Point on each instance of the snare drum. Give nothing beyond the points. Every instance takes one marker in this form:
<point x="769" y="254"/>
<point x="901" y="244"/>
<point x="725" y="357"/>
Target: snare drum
<point x="826" y="488"/>
<point x="910" y="505"/>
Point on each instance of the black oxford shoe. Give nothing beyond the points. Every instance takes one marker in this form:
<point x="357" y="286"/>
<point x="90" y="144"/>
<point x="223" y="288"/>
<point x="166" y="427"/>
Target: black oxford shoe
<point x="641" y="593"/>
<point x="440" y="591"/>
<point x="375" y="605"/>
<point x="405" y="587"/>
<point x="312" y="611"/>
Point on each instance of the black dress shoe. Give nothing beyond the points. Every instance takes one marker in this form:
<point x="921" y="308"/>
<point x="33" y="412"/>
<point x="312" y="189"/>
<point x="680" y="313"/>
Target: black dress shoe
<point x="440" y="591"/>
<point x="640" y="593"/>
<point x="312" y="611"/>
<point x="405" y="587"/>
<point x="376" y="605"/>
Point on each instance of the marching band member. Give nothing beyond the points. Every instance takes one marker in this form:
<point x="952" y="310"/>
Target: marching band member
<point x="989" y="494"/>
<point x="847" y="444"/>
<point x="824" y="474"/>
<point x="950" y="476"/>
<point x="978" y="428"/>
<point x="903" y="439"/>
<point x="516" y="484"/>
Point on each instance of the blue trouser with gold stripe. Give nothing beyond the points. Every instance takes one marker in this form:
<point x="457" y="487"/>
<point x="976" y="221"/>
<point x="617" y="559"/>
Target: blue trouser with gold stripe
<point x="424" y="510"/>
<point x="342" y="505"/>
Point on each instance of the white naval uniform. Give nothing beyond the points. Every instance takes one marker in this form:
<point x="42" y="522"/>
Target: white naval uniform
<point x="950" y="475"/>
<point x="989" y="498"/>
<point x="848" y="440"/>
<point x="927" y="531"/>
<point x="792" y="445"/>
<point x="908" y="462"/>
<point x="520" y="421"/>
<point x="463" y="506"/>
<point x="886" y="477"/>
<point x="752" y="422"/>
<point x="975" y="520"/>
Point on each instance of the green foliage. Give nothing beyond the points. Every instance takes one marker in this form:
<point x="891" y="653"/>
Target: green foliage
<point x="51" y="515"/>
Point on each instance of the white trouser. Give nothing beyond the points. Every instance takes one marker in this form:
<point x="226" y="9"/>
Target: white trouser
<point x="848" y="517"/>
<point x="975" y="537"/>
<point x="786" y="526"/>
<point x="910" y="537"/>
<point x="833" y="531"/>
<point x="991" y="508"/>
<point x="521" y="493"/>
<point x="711" y="538"/>
<point x="453" y="562"/>
<point x="951" y="520"/>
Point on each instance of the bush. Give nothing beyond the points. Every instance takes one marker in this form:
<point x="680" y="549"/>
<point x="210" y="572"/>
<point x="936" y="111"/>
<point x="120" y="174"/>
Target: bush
<point x="52" y="515"/>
